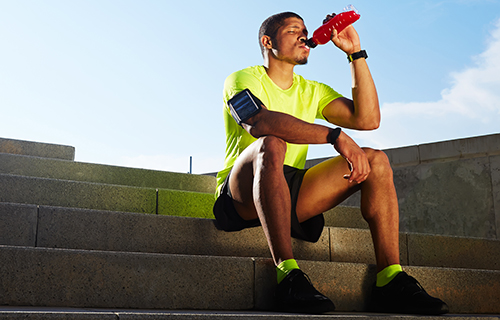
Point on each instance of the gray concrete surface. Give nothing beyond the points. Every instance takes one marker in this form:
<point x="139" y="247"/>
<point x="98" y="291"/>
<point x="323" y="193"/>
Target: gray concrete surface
<point x="356" y="245"/>
<point x="451" y="198"/>
<point x="37" y="149"/>
<point x="73" y="228"/>
<point x="76" y="278"/>
<point x="453" y="252"/>
<point x="345" y="217"/>
<point x="106" y="174"/>
<point x="429" y="177"/>
<point x="474" y="147"/>
<point x="348" y="285"/>
<point x="78" y="194"/>
<point x="495" y="182"/>
<point x="449" y="188"/>
<point x="119" y="231"/>
<point x="120" y="314"/>
<point x="18" y="224"/>
<point x="41" y="191"/>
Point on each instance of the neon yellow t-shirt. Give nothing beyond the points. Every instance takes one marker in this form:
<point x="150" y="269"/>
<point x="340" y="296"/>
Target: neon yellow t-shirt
<point x="305" y="100"/>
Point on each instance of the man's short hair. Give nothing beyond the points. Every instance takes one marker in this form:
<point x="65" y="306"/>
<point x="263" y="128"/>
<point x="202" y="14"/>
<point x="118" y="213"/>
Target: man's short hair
<point x="271" y="25"/>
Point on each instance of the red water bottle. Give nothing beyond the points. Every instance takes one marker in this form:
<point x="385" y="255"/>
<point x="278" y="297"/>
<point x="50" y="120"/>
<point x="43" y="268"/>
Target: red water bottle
<point x="339" y="22"/>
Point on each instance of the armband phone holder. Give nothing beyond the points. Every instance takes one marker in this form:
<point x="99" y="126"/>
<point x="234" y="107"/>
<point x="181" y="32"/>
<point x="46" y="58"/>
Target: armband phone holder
<point x="244" y="105"/>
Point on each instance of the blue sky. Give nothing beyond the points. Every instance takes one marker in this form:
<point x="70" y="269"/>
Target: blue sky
<point x="139" y="83"/>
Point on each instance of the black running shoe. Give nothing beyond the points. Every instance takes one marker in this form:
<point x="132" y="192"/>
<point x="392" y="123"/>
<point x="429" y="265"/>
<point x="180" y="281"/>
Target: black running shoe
<point x="296" y="294"/>
<point x="405" y="295"/>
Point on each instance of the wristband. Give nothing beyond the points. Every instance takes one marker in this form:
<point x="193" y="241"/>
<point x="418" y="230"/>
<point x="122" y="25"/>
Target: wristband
<point x="333" y="135"/>
<point x="357" y="55"/>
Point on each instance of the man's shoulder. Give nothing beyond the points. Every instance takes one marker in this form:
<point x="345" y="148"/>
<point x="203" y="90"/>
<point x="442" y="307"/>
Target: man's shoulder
<point x="253" y="71"/>
<point x="250" y="78"/>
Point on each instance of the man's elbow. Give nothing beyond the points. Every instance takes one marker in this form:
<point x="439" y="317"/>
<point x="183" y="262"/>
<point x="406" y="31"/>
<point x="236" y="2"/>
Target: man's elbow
<point x="255" y="127"/>
<point x="372" y="120"/>
<point x="374" y="125"/>
<point x="254" y="131"/>
<point x="369" y="124"/>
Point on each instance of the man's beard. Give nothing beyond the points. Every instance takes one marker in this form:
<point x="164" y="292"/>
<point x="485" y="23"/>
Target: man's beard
<point x="301" y="61"/>
<point x="295" y="60"/>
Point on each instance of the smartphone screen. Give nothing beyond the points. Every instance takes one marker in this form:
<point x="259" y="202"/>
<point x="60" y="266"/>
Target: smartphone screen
<point x="244" y="105"/>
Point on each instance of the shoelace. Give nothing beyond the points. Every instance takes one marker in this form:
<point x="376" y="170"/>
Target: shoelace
<point x="412" y="281"/>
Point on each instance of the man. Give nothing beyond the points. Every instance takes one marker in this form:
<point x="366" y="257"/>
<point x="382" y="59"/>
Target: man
<point x="264" y="183"/>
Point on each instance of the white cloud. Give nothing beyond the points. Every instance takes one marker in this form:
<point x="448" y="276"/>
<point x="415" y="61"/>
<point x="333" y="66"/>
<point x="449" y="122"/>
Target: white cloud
<point x="469" y="107"/>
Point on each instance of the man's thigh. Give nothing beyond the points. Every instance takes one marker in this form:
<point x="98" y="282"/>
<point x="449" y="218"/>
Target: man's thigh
<point x="241" y="180"/>
<point x="324" y="187"/>
<point x="241" y="184"/>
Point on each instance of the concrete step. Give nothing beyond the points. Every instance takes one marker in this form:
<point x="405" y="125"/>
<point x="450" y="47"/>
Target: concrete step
<point x="58" y="227"/>
<point x="77" y="194"/>
<point x="102" y="196"/>
<point x="345" y="217"/>
<point x="37" y="149"/>
<point x="35" y="313"/>
<point x="105" y="174"/>
<point x="99" y="279"/>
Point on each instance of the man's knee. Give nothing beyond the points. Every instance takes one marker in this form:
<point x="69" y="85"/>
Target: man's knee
<point x="271" y="150"/>
<point x="379" y="162"/>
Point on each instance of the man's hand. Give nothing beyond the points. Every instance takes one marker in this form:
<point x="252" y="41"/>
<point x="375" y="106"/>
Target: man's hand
<point x="347" y="40"/>
<point x="355" y="157"/>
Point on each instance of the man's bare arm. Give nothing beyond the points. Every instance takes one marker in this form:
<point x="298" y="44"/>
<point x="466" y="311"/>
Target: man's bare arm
<point x="363" y="111"/>
<point x="293" y="130"/>
<point x="286" y="127"/>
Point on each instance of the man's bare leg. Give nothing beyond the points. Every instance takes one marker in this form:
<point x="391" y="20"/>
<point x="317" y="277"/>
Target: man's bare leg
<point x="259" y="190"/>
<point x="379" y="206"/>
<point x="324" y="188"/>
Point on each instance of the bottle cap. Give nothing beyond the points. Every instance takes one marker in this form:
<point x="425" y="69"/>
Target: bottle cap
<point x="310" y="43"/>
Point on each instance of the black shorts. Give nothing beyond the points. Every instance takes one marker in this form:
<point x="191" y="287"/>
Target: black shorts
<point x="227" y="219"/>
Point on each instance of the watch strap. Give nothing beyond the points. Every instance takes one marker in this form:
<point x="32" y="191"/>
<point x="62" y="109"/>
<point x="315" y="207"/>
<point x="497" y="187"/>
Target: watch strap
<point x="333" y="135"/>
<point x="357" y="55"/>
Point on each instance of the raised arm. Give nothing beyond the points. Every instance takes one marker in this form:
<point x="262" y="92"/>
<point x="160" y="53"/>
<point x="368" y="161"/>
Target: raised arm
<point x="363" y="111"/>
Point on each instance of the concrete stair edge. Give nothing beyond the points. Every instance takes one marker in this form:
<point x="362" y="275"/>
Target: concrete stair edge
<point x="37" y="149"/>
<point x="415" y="240"/>
<point x="100" y="196"/>
<point x="89" y="195"/>
<point x="73" y="228"/>
<point x="80" y="278"/>
<point x="35" y="313"/>
<point x="100" y="173"/>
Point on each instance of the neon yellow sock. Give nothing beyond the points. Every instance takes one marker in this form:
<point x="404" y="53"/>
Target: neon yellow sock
<point x="285" y="267"/>
<point x="385" y="276"/>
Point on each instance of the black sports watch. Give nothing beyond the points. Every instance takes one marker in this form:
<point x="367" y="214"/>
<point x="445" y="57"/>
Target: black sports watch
<point x="357" y="55"/>
<point x="333" y="135"/>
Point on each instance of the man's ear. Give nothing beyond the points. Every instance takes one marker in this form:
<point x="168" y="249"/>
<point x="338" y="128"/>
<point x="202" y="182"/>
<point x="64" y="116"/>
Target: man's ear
<point x="266" y="42"/>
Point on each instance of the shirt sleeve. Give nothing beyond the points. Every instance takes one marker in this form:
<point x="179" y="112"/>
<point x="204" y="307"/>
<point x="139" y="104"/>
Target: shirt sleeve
<point x="326" y="95"/>
<point x="240" y="81"/>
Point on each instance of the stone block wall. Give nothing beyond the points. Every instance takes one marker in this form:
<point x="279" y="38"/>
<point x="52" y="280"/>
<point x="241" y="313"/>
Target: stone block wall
<point x="450" y="187"/>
